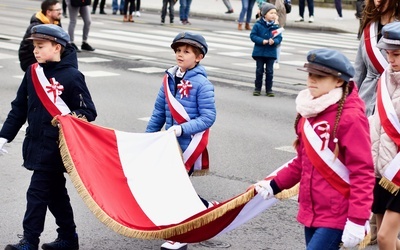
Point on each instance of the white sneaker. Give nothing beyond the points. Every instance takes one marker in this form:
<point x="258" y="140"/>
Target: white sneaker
<point x="300" y="19"/>
<point x="276" y="65"/>
<point x="338" y="18"/>
<point x="173" y="245"/>
<point x="138" y="13"/>
<point x="311" y="19"/>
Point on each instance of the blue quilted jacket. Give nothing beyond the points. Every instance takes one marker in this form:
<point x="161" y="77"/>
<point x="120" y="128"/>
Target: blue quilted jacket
<point x="200" y="105"/>
<point x="263" y="31"/>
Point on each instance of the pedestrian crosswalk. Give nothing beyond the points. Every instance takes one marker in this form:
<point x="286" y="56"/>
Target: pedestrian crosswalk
<point x="229" y="51"/>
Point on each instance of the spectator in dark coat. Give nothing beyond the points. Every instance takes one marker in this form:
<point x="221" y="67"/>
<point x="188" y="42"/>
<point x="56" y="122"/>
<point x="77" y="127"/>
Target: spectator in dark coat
<point x="50" y="14"/>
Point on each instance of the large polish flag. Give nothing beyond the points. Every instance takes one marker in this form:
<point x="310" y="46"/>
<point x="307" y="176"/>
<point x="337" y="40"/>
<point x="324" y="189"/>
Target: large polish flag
<point x="137" y="184"/>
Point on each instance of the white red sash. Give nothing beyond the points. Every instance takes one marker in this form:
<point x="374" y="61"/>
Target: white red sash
<point x="324" y="160"/>
<point x="48" y="92"/>
<point x="196" y="153"/>
<point x="374" y="54"/>
<point x="391" y="124"/>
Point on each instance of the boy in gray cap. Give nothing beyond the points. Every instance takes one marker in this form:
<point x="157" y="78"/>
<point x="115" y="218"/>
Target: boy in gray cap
<point x="53" y="86"/>
<point x="185" y="105"/>
<point x="334" y="162"/>
<point x="384" y="125"/>
<point x="265" y="48"/>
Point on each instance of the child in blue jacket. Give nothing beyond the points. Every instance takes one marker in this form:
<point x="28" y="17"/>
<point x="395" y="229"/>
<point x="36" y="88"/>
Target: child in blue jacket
<point x="265" y="48"/>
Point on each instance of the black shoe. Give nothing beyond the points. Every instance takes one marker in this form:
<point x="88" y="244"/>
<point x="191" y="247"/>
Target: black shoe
<point x="103" y="12"/>
<point x="22" y="245"/>
<point x="60" y="244"/>
<point x="86" y="46"/>
<point x="270" y="94"/>
<point x="229" y="11"/>
<point x="256" y="92"/>
<point x="93" y="12"/>
<point x="75" y="47"/>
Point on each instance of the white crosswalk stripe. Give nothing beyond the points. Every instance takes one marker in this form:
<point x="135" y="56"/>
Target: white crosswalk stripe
<point x="229" y="44"/>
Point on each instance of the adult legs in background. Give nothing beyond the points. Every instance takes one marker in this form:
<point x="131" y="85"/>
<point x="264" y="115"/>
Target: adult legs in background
<point x="302" y="5"/>
<point x="327" y="237"/>
<point x="137" y="7"/>
<point x="249" y="14"/>
<point x="338" y="6"/>
<point x="228" y="6"/>
<point x="64" y="8"/>
<point x="388" y="227"/>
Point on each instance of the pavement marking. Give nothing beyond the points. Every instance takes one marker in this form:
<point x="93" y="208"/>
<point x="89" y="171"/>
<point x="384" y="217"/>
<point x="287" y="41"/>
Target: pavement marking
<point x="148" y="70"/>
<point x="289" y="149"/>
<point x="19" y="77"/>
<point x="234" y="54"/>
<point x="145" y="119"/>
<point x="7" y="56"/>
<point x="142" y="57"/>
<point x="93" y="59"/>
<point x="99" y="73"/>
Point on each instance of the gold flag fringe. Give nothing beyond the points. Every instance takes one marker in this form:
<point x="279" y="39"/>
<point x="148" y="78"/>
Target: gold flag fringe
<point x="388" y="185"/>
<point x="364" y="243"/>
<point x="143" y="234"/>
<point x="288" y="193"/>
<point x="201" y="172"/>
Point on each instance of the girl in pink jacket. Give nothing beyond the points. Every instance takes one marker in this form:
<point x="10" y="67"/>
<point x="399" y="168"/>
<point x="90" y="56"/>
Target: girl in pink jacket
<point x="334" y="164"/>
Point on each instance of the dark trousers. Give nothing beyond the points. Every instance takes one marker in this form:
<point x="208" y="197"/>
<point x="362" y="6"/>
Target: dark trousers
<point x="131" y="4"/>
<point x="170" y="9"/>
<point x="310" y="5"/>
<point x="47" y="190"/>
<point x="269" y="73"/>
<point x="137" y="5"/>
<point x="102" y="4"/>
<point x="338" y="6"/>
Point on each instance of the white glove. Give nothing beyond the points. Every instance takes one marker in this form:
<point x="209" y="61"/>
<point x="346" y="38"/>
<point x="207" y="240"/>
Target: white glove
<point x="264" y="189"/>
<point x="177" y="129"/>
<point x="353" y="234"/>
<point x="3" y="141"/>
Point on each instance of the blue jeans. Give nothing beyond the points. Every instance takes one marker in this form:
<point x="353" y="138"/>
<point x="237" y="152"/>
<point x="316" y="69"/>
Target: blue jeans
<point x="184" y="9"/>
<point x="310" y="5"/>
<point x="247" y="9"/>
<point x="322" y="238"/>
<point x="269" y="73"/>
<point x="115" y="6"/>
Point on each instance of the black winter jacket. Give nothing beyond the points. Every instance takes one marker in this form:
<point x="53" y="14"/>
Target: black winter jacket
<point x="40" y="147"/>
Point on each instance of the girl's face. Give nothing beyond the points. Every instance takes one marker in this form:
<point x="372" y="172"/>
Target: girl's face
<point x="186" y="58"/>
<point x="321" y="85"/>
<point x="393" y="57"/>
<point x="271" y="15"/>
<point x="46" y="51"/>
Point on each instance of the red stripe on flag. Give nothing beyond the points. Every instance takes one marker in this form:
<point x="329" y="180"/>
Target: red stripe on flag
<point x="106" y="184"/>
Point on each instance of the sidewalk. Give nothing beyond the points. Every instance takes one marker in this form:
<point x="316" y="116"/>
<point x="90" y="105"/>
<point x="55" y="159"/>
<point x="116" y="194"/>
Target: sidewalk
<point x="324" y="17"/>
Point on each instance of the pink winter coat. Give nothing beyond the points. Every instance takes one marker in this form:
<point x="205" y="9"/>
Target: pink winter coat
<point x="320" y="205"/>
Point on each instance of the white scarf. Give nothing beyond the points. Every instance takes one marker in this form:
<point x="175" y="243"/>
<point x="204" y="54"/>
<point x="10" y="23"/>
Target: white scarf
<point x="308" y="106"/>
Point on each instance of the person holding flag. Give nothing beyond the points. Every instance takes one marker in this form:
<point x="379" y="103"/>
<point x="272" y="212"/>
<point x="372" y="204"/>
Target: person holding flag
<point x="185" y="104"/>
<point x="334" y="161"/>
<point x="266" y="36"/>
<point x="53" y="86"/>
<point x="385" y="137"/>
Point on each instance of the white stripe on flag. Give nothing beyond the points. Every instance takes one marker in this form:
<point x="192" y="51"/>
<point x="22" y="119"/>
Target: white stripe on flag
<point x="153" y="167"/>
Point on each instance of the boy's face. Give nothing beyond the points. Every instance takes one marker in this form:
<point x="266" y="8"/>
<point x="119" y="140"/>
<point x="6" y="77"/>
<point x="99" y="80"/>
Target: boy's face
<point x="45" y="50"/>
<point x="393" y="57"/>
<point x="186" y="58"/>
<point x="271" y="15"/>
<point x="319" y="85"/>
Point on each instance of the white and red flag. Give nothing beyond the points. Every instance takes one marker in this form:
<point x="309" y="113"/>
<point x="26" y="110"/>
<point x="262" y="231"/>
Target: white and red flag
<point x="277" y="32"/>
<point x="137" y="184"/>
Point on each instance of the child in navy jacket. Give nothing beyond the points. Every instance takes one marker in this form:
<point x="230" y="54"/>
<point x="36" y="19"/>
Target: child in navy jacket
<point x="265" y="48"/>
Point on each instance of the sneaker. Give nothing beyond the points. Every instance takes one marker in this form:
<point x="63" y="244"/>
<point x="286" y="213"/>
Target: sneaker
<point x="338" y="18"/>
<point x="311" y="19"/>
<point x="300" y="19"/>
<point x="270" y="94"/>
<point x="103" y="12"/>
<point x="229" y="11"/>
<point x="162" y="21"/>
<point x="23" y="244"/>
<point x="276" y="65"/>
<point x="60" y="244"/>
<point x="173" y="245"/>
<point x="75" y="47"/>
<point x="86" y="46"/>
<point x="137" y="13"/>
<point x="256" y="92"/>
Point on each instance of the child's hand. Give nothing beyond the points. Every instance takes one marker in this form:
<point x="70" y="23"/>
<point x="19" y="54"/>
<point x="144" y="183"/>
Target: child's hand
<point x="265" y="42"/>
<point x="271" y="41"/>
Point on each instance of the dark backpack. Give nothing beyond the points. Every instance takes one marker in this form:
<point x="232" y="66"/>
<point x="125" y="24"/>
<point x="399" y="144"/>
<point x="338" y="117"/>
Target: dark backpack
<point x="288" y="6"/>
